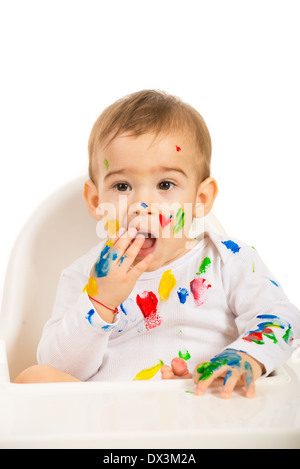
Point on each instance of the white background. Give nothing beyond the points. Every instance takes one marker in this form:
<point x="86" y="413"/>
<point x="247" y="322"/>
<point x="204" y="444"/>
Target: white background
<point x="236" y="61"/>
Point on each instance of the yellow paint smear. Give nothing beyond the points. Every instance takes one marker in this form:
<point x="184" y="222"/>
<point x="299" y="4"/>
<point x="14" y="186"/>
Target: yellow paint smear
<point x="113" y="226"/>
<point x="167" y="283"/>
<point x="149" y="372"/>
<point x="91" y="288"/>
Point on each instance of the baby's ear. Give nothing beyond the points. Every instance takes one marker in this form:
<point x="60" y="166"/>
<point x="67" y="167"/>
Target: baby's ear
<point x="90" y="194"/>
<point x="206" y="195"/>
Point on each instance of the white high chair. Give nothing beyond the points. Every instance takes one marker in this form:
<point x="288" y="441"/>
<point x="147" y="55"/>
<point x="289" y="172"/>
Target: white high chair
<point x="145" y="414"/>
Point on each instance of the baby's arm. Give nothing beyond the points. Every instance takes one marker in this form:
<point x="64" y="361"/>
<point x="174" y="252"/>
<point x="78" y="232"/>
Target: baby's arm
<point x="75" y="338"/>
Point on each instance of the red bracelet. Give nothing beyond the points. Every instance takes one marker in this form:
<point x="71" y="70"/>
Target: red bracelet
<point x="116" y="311"/>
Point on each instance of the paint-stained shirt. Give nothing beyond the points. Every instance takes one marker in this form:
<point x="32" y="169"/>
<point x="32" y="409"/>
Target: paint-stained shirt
<point x="218" y="295"/>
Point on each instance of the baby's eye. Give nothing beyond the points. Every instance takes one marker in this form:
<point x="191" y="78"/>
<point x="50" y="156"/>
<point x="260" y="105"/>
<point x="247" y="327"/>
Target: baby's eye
<point x="122" y="186"/>
<point x="166" y="185"/>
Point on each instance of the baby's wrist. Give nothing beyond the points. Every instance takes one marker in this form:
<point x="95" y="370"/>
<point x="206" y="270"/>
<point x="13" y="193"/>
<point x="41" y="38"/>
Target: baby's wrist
<point x="106" y="311"/>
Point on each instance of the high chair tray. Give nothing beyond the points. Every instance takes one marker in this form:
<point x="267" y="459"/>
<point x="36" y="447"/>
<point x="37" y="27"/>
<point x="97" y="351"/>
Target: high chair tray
<point x="158" y="414"/>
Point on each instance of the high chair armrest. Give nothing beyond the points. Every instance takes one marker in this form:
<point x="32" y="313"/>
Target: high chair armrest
<point x="4" y="371"/>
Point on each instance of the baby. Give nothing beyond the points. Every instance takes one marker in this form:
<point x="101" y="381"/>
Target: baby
<point x="160" y="300"/>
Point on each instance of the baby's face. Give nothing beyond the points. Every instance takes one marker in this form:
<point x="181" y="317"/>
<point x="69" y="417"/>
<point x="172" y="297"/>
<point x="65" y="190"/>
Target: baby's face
<point x="151" y="183"/>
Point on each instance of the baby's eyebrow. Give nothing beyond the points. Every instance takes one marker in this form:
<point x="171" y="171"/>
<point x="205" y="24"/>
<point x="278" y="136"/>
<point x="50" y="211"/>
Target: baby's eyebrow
<point x="158" y="169"/>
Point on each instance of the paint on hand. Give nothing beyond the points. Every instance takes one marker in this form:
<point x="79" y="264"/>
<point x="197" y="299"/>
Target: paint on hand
<point x="166" y="285"/>
<point x="178" y="148"/>
<point x="199" y="289"/>
<point x="91" y="287"/>
<point x="182" y="295"/>
<point x="107" y="256"/>
<point x="179" y="221"/>
<point x="113" y="226"/>
<point x="148" y="373"/>
<point x="248" y="374"/>
<point x="147" y="302"/>
<point x="205" y="264"/>
<point x="229" y="357"/>
<point x="185" y="355"/>
<point x="106" y="164"/>
<point x="164" y="221"/>
<point x="231" y="246"/>
<point x="264" y="329"/>
<point x="227" y="376"/>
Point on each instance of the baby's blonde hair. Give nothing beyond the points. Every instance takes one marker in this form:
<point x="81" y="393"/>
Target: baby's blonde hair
<point x="150" y="111"/>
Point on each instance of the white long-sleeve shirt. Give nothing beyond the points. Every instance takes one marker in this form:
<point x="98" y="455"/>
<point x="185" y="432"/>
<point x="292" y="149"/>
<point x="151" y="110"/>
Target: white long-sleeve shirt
<point x="218" y="295"/>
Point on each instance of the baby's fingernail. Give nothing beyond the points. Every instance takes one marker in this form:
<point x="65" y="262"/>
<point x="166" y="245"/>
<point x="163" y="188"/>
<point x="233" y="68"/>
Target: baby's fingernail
<point x="121" y="231"/>
<point x="132" y="231"/>
<point x="199" y="391"/>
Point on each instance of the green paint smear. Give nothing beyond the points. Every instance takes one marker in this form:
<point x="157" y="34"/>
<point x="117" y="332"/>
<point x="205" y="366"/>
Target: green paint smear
<point x="205" y="264"/>
<point x="179" y="221"/>
<point x="185" y="355"/>
<point x="106" y="164"/>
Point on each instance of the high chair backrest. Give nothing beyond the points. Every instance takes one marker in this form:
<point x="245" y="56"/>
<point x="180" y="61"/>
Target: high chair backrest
<point x="59" y="231"/>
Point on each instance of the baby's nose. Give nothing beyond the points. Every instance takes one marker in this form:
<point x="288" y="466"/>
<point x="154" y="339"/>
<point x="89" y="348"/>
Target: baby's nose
<point x="142" y="208"/>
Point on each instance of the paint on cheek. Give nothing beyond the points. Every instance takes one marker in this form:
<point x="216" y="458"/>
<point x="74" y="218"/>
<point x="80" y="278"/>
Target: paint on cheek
<point x="147" y="302"/>
<point x="199" y="289"/>
<point x="107" y="256"/>
<point x="164" y="221"/>
<point x="148" y="373"/>
<point x="178" y="148"/>
<point x="166" y="285"/>
<point x="179" y="221"/>
<point x="233" y="247"/>
<point x="106" y="164"/>
<point x="113" y="226"/>
<point x="91" y="287"/>
<point x="182" y="295"/>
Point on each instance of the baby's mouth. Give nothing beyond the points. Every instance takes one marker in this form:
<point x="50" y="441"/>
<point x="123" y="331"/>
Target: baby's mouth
<point x="149" y="244"/>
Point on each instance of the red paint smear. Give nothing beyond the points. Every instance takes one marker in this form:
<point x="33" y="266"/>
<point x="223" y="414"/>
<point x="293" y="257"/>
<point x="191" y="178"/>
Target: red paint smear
<point x="147" y="302"/>
<point x="199" y="290"/>
<point x="178" y="148"/>
<point x="254" y="337"/>
<point x="164" y="221"/>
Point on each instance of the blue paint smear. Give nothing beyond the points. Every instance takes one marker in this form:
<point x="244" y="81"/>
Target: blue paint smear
<point x="89" y="316"/>
<point x="228" y="375"/>
<point x="107" y="256"/>
<point x="248" y="373"/>
<point x="182" y="295"/>
<point x="274" y="283"/>
<point x="107" y="327"/>
<point x="232" y="246"/>
<point x="144" y="205"/>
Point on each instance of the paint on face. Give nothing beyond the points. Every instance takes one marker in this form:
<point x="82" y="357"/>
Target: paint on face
<point x="91" y="287"/>
<point x="229" y="357"/>
<point x="148" y="373"/>
<point x="199" y="289"/>
<point x="106" y="164"/>
<point x="248" y="374"/>
<point x="113" y="226"/>
<point x="179" y="221"/>
<point x="185" y="355"/>
<point x="178" y="148"/>
<point x="144" y="205"/>
<point x="182" y="295"/>
<point x="205" y="264"/>
<point x="89" y="316"/>
<point x="164" y="221"/>
<point x="231" y="246"/>
<point x="264" y="329"/>
<point x="166" y="285"/>
<point x="147" y="302"/>
<point x="107" y="256"/>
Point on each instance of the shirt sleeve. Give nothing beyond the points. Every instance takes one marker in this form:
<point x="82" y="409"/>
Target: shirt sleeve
<point x="267" y="322"/>
<point x="75" y="338"/>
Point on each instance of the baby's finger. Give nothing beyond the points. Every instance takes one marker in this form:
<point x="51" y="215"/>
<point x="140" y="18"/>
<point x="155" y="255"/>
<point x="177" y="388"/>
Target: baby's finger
<point x="231" y="378"/>
<point x="124" y="240"/>
<point x="204" y="382"/>
<point x="166" y="372"/>
<point x="139" y="268"/>
<point x="249" y="380"/>
<point x="131" y="252"/>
